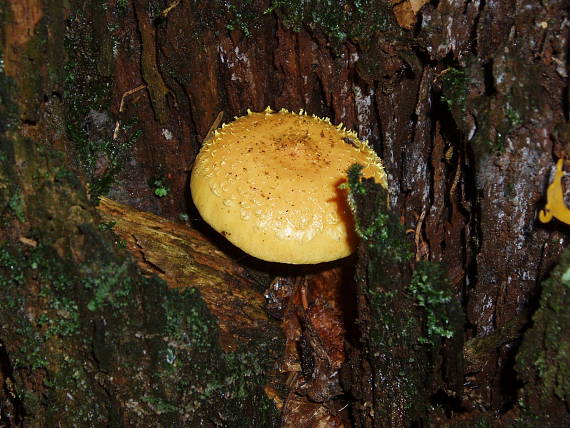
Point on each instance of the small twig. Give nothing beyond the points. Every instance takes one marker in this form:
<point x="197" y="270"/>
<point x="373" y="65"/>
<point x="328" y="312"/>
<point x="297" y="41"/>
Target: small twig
<point x="439" y="75"/>
<point x="215" y="125"/>
<point x="126" y="94"/>
<point x="419" y="233"/>
<point x="122" y="106"/>
<point x="166" y="11"/>
<point x="456" y="178"/>
<point x="28" y="241"/>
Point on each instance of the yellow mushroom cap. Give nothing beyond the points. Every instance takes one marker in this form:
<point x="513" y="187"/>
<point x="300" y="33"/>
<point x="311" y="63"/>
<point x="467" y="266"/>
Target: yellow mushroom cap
<point x="269" y="183"/>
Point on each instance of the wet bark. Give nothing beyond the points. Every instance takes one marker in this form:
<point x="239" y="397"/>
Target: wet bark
<point x="466" y="102"/>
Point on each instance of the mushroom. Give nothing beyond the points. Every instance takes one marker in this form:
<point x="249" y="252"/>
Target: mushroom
<point x="269" y="182"/>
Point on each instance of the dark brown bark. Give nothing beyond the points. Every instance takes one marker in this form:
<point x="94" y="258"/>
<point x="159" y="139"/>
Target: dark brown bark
<point x="466" y="102"/>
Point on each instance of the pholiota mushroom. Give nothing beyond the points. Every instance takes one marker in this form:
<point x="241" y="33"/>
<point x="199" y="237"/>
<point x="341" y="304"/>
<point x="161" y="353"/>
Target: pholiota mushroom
<point x="269" y="182"/>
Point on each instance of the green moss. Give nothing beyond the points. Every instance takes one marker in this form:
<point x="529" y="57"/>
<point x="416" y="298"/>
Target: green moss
<point x="512" y="95"/>
<point x="68" y="321"/>
<point x="511" y="119"/>
<point x="77" y="319"/>
<point x="455" y="91"/>
<point x="391" y="322"/>
<point x="122" y="6"/>
<point x="159" y="187"/>
<point x="398" y="367"/>
<point x="405" y="309"/>
<point x="159" y="406"/>
<point x="378" y="227"/>
<point x="196" y="380"/>
<point x="106" y="225"/>
<point x="513" y="116"/>
<point x="189" y="323"/>
<point x="192" y="379"/>
<point x="243" y="16"/>
<point x="59" y="317"/>
<point x="13" y="272"/>
<point x="496" y="113"/>
<point x="16" y="204"/>
<point x="89" y="45"/>
<point x="339" y="20"/>
<point x="543" y="361"/>
<point x="354" y="174"/>
<point x="110" y="285"/>
<point x="431" y="291"/>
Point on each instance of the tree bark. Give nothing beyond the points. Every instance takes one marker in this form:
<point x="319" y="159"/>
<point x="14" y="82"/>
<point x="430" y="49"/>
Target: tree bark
<point x="466" y="102"/>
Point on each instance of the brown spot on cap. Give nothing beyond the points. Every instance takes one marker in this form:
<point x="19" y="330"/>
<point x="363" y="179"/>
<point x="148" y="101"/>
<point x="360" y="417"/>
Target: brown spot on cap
<point x="300" y="217"/>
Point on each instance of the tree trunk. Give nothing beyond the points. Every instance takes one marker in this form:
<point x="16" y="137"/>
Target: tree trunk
<point x="466" y="102"/>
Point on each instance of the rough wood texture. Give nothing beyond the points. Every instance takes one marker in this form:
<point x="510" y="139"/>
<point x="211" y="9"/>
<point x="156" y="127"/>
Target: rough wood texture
<point x="185" y="258"/>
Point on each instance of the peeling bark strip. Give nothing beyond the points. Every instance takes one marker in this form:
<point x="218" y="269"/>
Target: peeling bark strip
<point x="184" y="258"/>
<point x="149" y="64"/>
